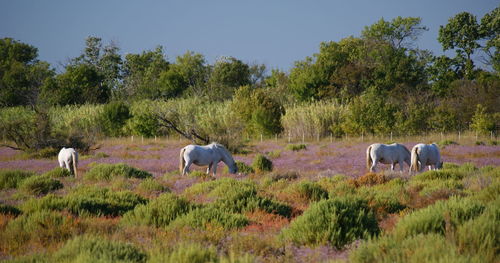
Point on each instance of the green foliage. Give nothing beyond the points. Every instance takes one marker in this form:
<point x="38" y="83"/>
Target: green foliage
<point x="260" y="112"/>
<point x="97" y="249"/>
<point x="310" y="119"/>
<point x="419" y="248"/>
<point x="9" y="210"/>
<point x="151" y="184"/>
<point x="228" y="74"/>
<point x="186" y="253"/>
<point x="262" y="164"/>
<point x="480" y="236"/>
<point x="309" y="190"/>
<point x="210" y="216"/>
<point x="101" y="201"/>
<point x="400" y="32"/>
<point x="385" y="198"/>
<point x="482" y="122"/>
<point x="158" y="212"/>
<point x="48" y="202"/>
<point x="244" y="168"/>
<point x="42" y="227"/>
<point x="17" y="125"/>
<point x="57" y="172"/>
<point x="337" y="221"/>
<point x="114" y="116"/>
<point x="108" y="171"/>
<point x="296" y="147"/>
<point x="438" y="217"/>
<point x="40" y="185"/>
<point x="12" y="178"/>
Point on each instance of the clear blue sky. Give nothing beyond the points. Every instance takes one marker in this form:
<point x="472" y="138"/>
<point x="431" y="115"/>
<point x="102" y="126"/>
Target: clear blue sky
<point x="272" y="32"/>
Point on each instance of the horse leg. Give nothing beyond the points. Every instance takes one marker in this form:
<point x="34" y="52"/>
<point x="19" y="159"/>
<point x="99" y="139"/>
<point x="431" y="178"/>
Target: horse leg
<point x="214" y="169"/>
<point x="209" y="167"/>
<point x="67" y="166"/>
<point x="374" y="167"/>
<point x="186" y="168"/>
<point x="401" y="163"/>
<point x="392" y="166"/>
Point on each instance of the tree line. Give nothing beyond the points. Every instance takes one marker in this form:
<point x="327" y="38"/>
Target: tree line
<point x="377" y="81"/>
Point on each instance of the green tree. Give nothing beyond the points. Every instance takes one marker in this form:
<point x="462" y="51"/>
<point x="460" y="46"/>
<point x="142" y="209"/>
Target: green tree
<point x="228" y="74"/>
<point x="482" y="121"/>
<point x="261" y="113"/>
<point x="21" y="73"/>
<point x="462" y="34"/>
<point x="141" y="74"/>
<point x="489" y="30"/>
<point x="401" y="32"/>
<point x="78" y="85"/>
<point x="189" y="73"/>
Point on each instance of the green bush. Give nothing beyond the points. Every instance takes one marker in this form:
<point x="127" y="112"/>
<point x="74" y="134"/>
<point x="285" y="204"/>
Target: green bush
<point x="102" y="201"/>
<point x="186" y="253"/>
<point x="203" y="217"/>
<point x="420" y="248"/>
<point x="9" y="210"/>
<point x="114" y="116"/>
<point x="385" y="198"/>
<point x="57" y="172"/>
<point x="48" y="202"/>
<point x="337" y="221"/>
<point x="39" y="185"/>
<point x="12" y="178"/>
<point x="151" y="185"/>
<point x="47" y="152"/>
<point x="107" y="171"/>
<point x="288" y="175"/>
<point x="262" y="164"/>
<point x="43" y="227"/>
<point x="480" y="237"/>
<point x="438" y="217"/>
<point x="236" y="196"/>
<point x="96" y="249"/>
<point x="296" y="147"/>
<point x="243" y="168"/>
<point x="159" y="212"/>
<point x="309" y="190"/>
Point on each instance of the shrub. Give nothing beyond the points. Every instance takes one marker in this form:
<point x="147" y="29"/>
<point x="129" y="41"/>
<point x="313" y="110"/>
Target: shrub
<point x="107" y="171"/>
<point x="186" y="253"/>
<point x="9" y="210"/>
<point x="199" y="174"/>
<point x="262" y="164"/>
<point x="151" y="185"/>
<point x="237" y="196"/>
<point x="337" y="221"/>
<point x="158" y="212"/>
<point x="311" y="191"/>
<point x="42" y="227"/>
<point x="370" y="179"/>
<point x="243" y="168"/>
<point x="288" y="175"/>
<point x="114" y="116"/>
<point x="39" y="185"/>
<point x="57" y="172"/>
<point x="47" y="152"/>
<point x="385" y="198"/>
<point x="420" y="248"/>
<point x="444" y="143"/>
<point x="102" y="201"/>
<point x="202" y="217"/>
<point x="48" y="202"/>
<point x="296" y="147"/>
<point x="12" y="178"/>
<point x="481" y="235"/>
<point x="438" y="217"/>
<point x="96" y="249"/>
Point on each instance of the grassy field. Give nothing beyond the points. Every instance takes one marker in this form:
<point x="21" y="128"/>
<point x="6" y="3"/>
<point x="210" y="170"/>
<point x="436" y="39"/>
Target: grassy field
<point x="318" y="204"/>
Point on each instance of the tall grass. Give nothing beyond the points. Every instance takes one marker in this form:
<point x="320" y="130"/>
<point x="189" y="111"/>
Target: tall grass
<point x="12" y="178"/>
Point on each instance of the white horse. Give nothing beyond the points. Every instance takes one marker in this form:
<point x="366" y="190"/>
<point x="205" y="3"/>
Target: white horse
<point x="387" y="154"/>
<point x="68" y="158"/>
<point x="209" y="155"/>
<point x="425" y="154"/>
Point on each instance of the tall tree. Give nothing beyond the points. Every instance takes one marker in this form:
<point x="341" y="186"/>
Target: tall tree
<point x="490" y="31"/>
<point x="228" y="74"/>
<point x="462" y="34"/>
<point x="21" y="73"/>
<point x="401" y="32"/>
<point x="189" y="73"/>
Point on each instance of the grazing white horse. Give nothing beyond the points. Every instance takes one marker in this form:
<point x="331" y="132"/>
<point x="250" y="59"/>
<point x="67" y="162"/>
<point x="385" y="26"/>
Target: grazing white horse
<point x="425" y="154"/>
<point x="68" y="158"/>
<point x="209" y="155"/>
<point x="387" y="154"/>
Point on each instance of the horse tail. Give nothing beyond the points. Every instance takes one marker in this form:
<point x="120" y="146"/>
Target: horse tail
<point x="369" y="160"/>
<point x="414" y="160"/>
<point x="182" y="163"/>
<point x="74" y="160"/>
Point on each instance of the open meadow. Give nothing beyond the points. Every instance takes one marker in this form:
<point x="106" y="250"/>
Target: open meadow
<point x="317" y="203"/>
